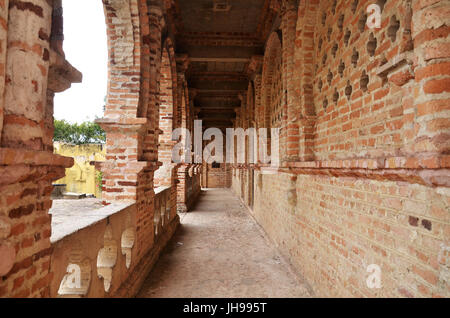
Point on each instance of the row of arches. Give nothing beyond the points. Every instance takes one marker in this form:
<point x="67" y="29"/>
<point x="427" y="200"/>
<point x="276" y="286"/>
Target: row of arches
<point x="147" y="97"/>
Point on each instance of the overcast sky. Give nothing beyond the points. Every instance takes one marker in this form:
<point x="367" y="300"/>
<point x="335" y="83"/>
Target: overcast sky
<point x="86" y="49"/>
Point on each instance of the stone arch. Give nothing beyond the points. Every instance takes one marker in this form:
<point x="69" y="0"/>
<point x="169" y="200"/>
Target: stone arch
<point x="272" y="60"/>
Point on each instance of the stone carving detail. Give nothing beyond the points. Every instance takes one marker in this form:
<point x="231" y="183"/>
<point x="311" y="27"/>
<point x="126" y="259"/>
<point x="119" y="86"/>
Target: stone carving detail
<point x="107" y="258"/>
<point x="128" y="239"/>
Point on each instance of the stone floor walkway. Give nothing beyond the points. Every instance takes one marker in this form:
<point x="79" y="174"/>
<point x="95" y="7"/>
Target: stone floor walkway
<point x="219" y="251"/>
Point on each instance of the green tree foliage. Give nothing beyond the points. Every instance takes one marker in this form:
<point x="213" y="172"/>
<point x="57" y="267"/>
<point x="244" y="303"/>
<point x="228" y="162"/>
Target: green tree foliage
<point x="78" y="134"/>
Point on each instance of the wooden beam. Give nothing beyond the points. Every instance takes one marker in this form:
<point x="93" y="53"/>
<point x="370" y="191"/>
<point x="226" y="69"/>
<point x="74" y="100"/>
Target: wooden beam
<point x="220" y="59"/>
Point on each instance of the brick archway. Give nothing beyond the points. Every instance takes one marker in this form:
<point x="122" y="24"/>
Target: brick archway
<point x="272" y="59"/>
<point x="167" y="116"/>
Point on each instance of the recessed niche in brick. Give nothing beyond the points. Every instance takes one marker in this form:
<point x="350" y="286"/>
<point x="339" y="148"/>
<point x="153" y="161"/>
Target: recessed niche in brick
<point x="324" y="18"/>
<point x="364" y="81"/>
<point x="355" y="6"/>
<point x="330" y="31"/>
<point x="347" y="36"/>
<point x="372" y="45"/>
<point x="348" y="90"/>
<point x="320" y="84"/>
<point x="329" y="77"/>
<point x="324" y="59"/>
<point x="427" y="224"/>
<point x="394" y="26"/>
<point x="325" y="104"/>
<point x="334" y="49"/>
<point x="340" y="22"/>
<point x="355" y="57"/>
<point x="362" y="22"/>
<point x="320" y="44"/>
<point x="335" y="95"/>
<point x="341" y="68"/>
<point x="381" y="4"/>
<point x="333" y="8"/>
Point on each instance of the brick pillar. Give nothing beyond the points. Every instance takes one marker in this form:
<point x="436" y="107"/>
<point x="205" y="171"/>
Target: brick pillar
<point x="3" y="50"/>
<point x="259" y="107"/>
<point x="182" y="174"/>
<point x="27" y="163"/>
<point x="184" y="111"/>
<point x="131" y="114"/>
<point x="431" y="26"/>
<point x="289" y="133"/>
<point x="302" y="112"/>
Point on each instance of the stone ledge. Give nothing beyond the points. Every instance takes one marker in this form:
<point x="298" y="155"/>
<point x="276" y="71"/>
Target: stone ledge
<point x="426" y="170"/>
<point x="135" y="280"/>
<point x="161" y="189"/>
<point x="414" y="163"/>
<point x="426" y="162"/>
<point x="61" y="73"/>
<point x="394" y="63"/>
<point x="12" y="156"/>
<point x="125" y="121"/>
<point x="60" y="231"/>
<point x="427" y="177"/>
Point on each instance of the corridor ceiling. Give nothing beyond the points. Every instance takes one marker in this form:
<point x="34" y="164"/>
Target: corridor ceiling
<point x="220" y="37"/>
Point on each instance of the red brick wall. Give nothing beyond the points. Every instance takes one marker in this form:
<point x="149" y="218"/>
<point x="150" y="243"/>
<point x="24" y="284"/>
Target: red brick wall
<point x="365" y="174"/>
<point x="32" y="44"/>
<point x="217" y="177"/>
<point x="336" y="227"/>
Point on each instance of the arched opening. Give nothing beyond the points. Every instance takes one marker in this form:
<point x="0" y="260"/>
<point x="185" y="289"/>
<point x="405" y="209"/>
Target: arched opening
<point x="272" y="88"/>
<point x="163" y="176"/>
<point x="272" y="83"/>
<point x="75" y="110"/>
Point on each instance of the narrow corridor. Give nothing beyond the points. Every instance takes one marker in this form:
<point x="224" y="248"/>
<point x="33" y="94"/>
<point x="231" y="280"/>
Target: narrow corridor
<point x="219" y="251"/>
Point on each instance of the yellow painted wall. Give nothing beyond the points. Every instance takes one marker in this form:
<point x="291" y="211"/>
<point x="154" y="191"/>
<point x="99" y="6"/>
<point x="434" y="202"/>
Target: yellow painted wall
<point x="82" y="177"/>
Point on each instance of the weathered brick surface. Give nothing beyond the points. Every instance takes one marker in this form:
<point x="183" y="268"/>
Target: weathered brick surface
<point x="364" y="136"/>
<point x="31" y="37"/>
<point x="336" y="227"/>
<point x="27" y="164"/>
<point x="365" y="175"/>
<point x="219" y="177"/>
